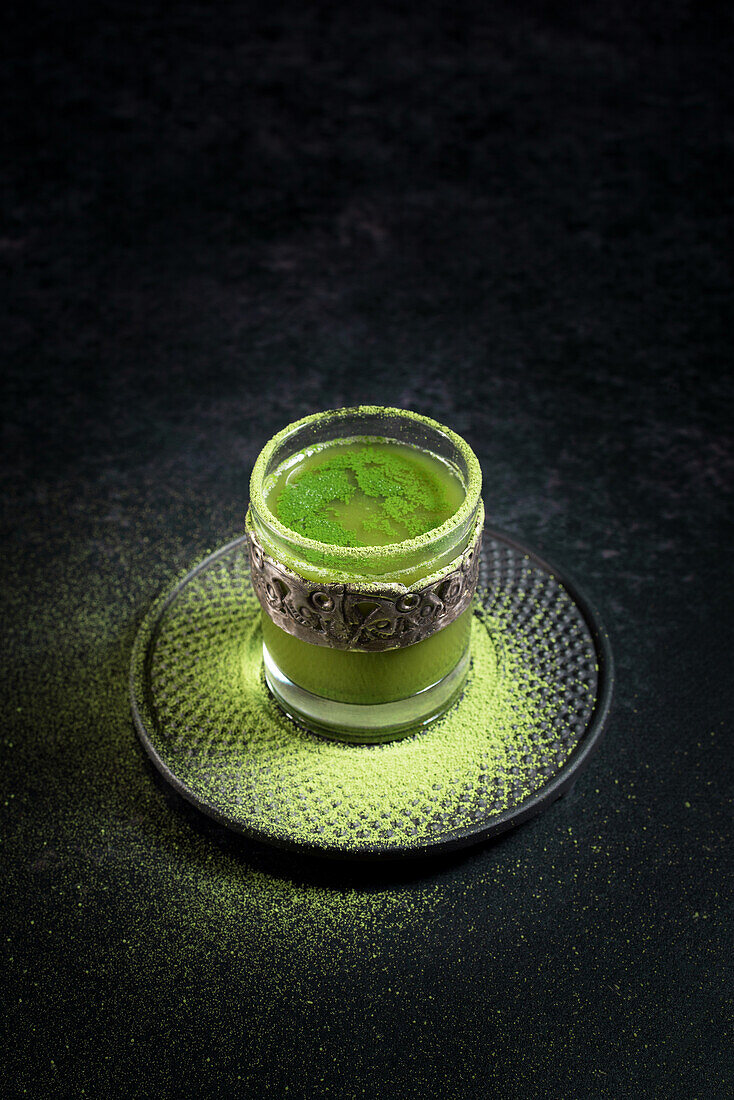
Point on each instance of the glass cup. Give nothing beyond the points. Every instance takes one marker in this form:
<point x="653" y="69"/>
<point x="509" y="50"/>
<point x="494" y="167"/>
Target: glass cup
<point x="366" y="643"/>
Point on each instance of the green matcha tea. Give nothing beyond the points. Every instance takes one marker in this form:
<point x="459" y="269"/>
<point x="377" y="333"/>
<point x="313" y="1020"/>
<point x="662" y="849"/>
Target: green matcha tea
<point x="368" y="677"/>
<point x="363" y="492"/>
<point x="377" y="513"/>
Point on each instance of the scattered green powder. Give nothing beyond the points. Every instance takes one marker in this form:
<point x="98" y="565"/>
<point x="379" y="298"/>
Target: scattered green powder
<point x="198" y="947"/>
<point x="346" y="493"/>
<point x="214" y="723"/>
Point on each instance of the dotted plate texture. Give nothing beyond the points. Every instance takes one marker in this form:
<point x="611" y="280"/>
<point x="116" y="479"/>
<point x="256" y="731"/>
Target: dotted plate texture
<point x="533" y="710"/>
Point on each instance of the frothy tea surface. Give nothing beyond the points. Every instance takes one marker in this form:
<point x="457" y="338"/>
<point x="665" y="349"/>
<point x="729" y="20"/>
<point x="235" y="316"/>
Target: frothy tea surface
<point x="363" y="492"/>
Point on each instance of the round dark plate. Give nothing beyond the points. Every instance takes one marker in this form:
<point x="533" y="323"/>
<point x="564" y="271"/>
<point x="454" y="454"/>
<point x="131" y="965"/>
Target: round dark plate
<point x="532" y="713"/>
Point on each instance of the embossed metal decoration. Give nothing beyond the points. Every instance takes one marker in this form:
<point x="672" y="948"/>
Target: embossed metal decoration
<point x="347" y="616"/>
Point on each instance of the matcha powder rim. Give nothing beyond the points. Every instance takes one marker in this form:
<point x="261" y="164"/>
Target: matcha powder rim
<point x="198" y="686"/>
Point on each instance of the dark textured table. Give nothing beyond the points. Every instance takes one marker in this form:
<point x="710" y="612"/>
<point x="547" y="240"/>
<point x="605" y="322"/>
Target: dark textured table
<point x="217" y="218"/>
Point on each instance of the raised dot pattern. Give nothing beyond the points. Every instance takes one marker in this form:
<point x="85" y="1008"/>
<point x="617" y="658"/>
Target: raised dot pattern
<point x="208" y="717"/>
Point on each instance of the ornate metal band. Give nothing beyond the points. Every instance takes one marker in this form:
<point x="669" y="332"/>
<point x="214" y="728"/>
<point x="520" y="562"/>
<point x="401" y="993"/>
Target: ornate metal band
<point x="345" y="616"/>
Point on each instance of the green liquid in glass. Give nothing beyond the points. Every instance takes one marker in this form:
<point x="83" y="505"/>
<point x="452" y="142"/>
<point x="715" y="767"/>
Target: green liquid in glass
<point x="365" y="492"/>
<point x="368" y="677"/>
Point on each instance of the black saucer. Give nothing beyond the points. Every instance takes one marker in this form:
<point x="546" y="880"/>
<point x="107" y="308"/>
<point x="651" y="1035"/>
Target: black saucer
<point x="205" y="717"/>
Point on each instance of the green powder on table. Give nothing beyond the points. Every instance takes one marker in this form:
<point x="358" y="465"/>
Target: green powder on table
<point x="364" y="492"/>
<point x="95" y="847"/>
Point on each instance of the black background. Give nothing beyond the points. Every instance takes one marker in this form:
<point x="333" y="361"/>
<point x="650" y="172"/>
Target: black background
<point x="514" y="218"/>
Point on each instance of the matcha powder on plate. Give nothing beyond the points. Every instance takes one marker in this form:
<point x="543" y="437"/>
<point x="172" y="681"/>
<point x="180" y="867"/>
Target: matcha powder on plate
<point x="207" y="718"/>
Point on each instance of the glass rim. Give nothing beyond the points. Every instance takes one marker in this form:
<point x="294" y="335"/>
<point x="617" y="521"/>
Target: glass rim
<point x="462" y="514"/>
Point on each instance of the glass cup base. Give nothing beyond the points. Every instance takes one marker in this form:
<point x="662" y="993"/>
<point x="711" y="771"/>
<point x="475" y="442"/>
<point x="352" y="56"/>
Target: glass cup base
<point x="365" y="723"/>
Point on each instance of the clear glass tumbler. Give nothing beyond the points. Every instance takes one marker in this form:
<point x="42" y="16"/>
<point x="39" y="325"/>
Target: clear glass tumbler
<point x="366" y="643"/>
